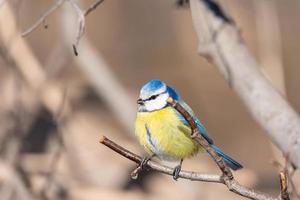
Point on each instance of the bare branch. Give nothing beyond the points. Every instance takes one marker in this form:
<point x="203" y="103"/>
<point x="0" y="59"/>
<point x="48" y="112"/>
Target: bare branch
<point x="194" y="176"/>
<point x="42" y="19"/>
<point x="81" y="21"/>
<point x="233" y="185"/>
<point x="222" y="43"/>
<point x="92" y="63"/>
<point x="93" y="7"/>
<point x="81" y="24"/>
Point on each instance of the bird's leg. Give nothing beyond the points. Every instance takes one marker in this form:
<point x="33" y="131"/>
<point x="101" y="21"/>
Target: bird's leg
<point x="145" y="160"/>
<point x="177" y="170"/>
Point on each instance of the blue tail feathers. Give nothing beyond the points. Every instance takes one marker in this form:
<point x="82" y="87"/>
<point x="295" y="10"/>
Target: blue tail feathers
<point x="228" y="160"/>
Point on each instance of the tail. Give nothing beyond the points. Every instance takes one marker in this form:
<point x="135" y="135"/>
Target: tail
<point x="228" y="160"/>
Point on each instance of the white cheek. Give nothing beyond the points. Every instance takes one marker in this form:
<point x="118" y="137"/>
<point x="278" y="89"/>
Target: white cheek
<point x="158" y="103"/>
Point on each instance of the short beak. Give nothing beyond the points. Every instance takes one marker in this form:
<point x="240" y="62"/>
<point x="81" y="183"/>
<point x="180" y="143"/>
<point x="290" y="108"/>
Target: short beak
<point x="140" y="102"/>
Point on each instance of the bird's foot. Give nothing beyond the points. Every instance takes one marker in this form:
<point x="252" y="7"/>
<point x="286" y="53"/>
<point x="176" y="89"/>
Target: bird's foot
<point x="176" y="171"/>
<point x="144" y="162"/>
<point x="142" y="166"/>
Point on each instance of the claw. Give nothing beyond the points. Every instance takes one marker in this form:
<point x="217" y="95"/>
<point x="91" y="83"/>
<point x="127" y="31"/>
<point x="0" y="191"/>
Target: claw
<point x="144" y="161"/>
<point x="176" y="171"/>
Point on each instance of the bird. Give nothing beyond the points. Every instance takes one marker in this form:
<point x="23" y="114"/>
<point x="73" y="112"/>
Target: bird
<point x="164" y="132"/>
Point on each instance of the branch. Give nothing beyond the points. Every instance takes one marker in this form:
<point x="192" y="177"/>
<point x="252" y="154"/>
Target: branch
<point x="92" y="63"/>
<point x="226" y="179"/>
<point x="42" y="19"/>
<point x="193" y="176"/>
<point x="81" y="25"/>
<point x="81" y="22"/>
<point x="221" y="42"/>
<point x="286" y="178"/>
<point x="93" y="7"/>
<point x="233" y="185"/>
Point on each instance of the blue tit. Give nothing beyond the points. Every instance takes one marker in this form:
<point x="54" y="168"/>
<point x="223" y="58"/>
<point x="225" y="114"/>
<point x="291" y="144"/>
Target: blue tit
<point x="162" y="130"/>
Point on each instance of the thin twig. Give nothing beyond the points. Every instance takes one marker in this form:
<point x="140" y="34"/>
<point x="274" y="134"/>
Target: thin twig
<point x="92" y="63"/>
<point x="194" y="176"/>
<point x="42" y="19"/>
<point x="289" y="174"/>
<point x="93" y="7"/>
<point x="81" y="21"/>
<point x="81" y="25"/>
<point x="234" y="186"/>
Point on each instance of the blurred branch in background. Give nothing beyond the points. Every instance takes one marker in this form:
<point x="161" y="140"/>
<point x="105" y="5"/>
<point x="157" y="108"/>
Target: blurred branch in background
<point x="270" y="53"/>
<point x="38" y="81"/>
<point x="221" y="42"/>
<point x="43" y="18"/>
<point x="81" y="21"/>
<point x="12" y="182"/>
<point x="52" y="95"/>
<point x="92" y="64"/>
<point x="15" y="121"/>
<point x="48" y="93"/>
<point x="269" y="42"/>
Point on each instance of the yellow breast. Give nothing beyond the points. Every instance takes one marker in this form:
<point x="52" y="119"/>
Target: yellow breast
<point x="161" y="132"/>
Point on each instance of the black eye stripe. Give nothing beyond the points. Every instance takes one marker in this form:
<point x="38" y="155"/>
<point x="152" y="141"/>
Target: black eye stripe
<point x="154" y="97"/>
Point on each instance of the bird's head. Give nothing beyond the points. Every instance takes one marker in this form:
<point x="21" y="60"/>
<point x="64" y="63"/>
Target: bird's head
<point x="154" y="95"/>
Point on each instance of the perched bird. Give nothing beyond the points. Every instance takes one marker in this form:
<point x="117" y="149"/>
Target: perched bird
<point x="164" y="132"/>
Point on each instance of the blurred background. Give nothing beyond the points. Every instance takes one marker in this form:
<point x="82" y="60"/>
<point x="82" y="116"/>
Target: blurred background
<point x="55" y="106"/>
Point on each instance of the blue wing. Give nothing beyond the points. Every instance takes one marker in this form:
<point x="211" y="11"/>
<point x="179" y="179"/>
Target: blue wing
<point x="200" y="126"/>
<point x="228" y="160"/>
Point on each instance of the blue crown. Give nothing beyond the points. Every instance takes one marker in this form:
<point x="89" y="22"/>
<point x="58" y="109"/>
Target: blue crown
<point x="153" y="85"/>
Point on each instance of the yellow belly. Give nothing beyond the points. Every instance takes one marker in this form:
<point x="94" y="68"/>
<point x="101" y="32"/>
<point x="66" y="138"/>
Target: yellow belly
<point x="162" y="133"/>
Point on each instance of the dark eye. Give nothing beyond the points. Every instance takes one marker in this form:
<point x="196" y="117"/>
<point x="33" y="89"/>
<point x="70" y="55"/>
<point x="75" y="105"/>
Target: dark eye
<point x="153" y="97"/>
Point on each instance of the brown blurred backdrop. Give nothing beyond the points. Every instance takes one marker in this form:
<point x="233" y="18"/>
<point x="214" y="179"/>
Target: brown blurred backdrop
<point x="138" y="41"/>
